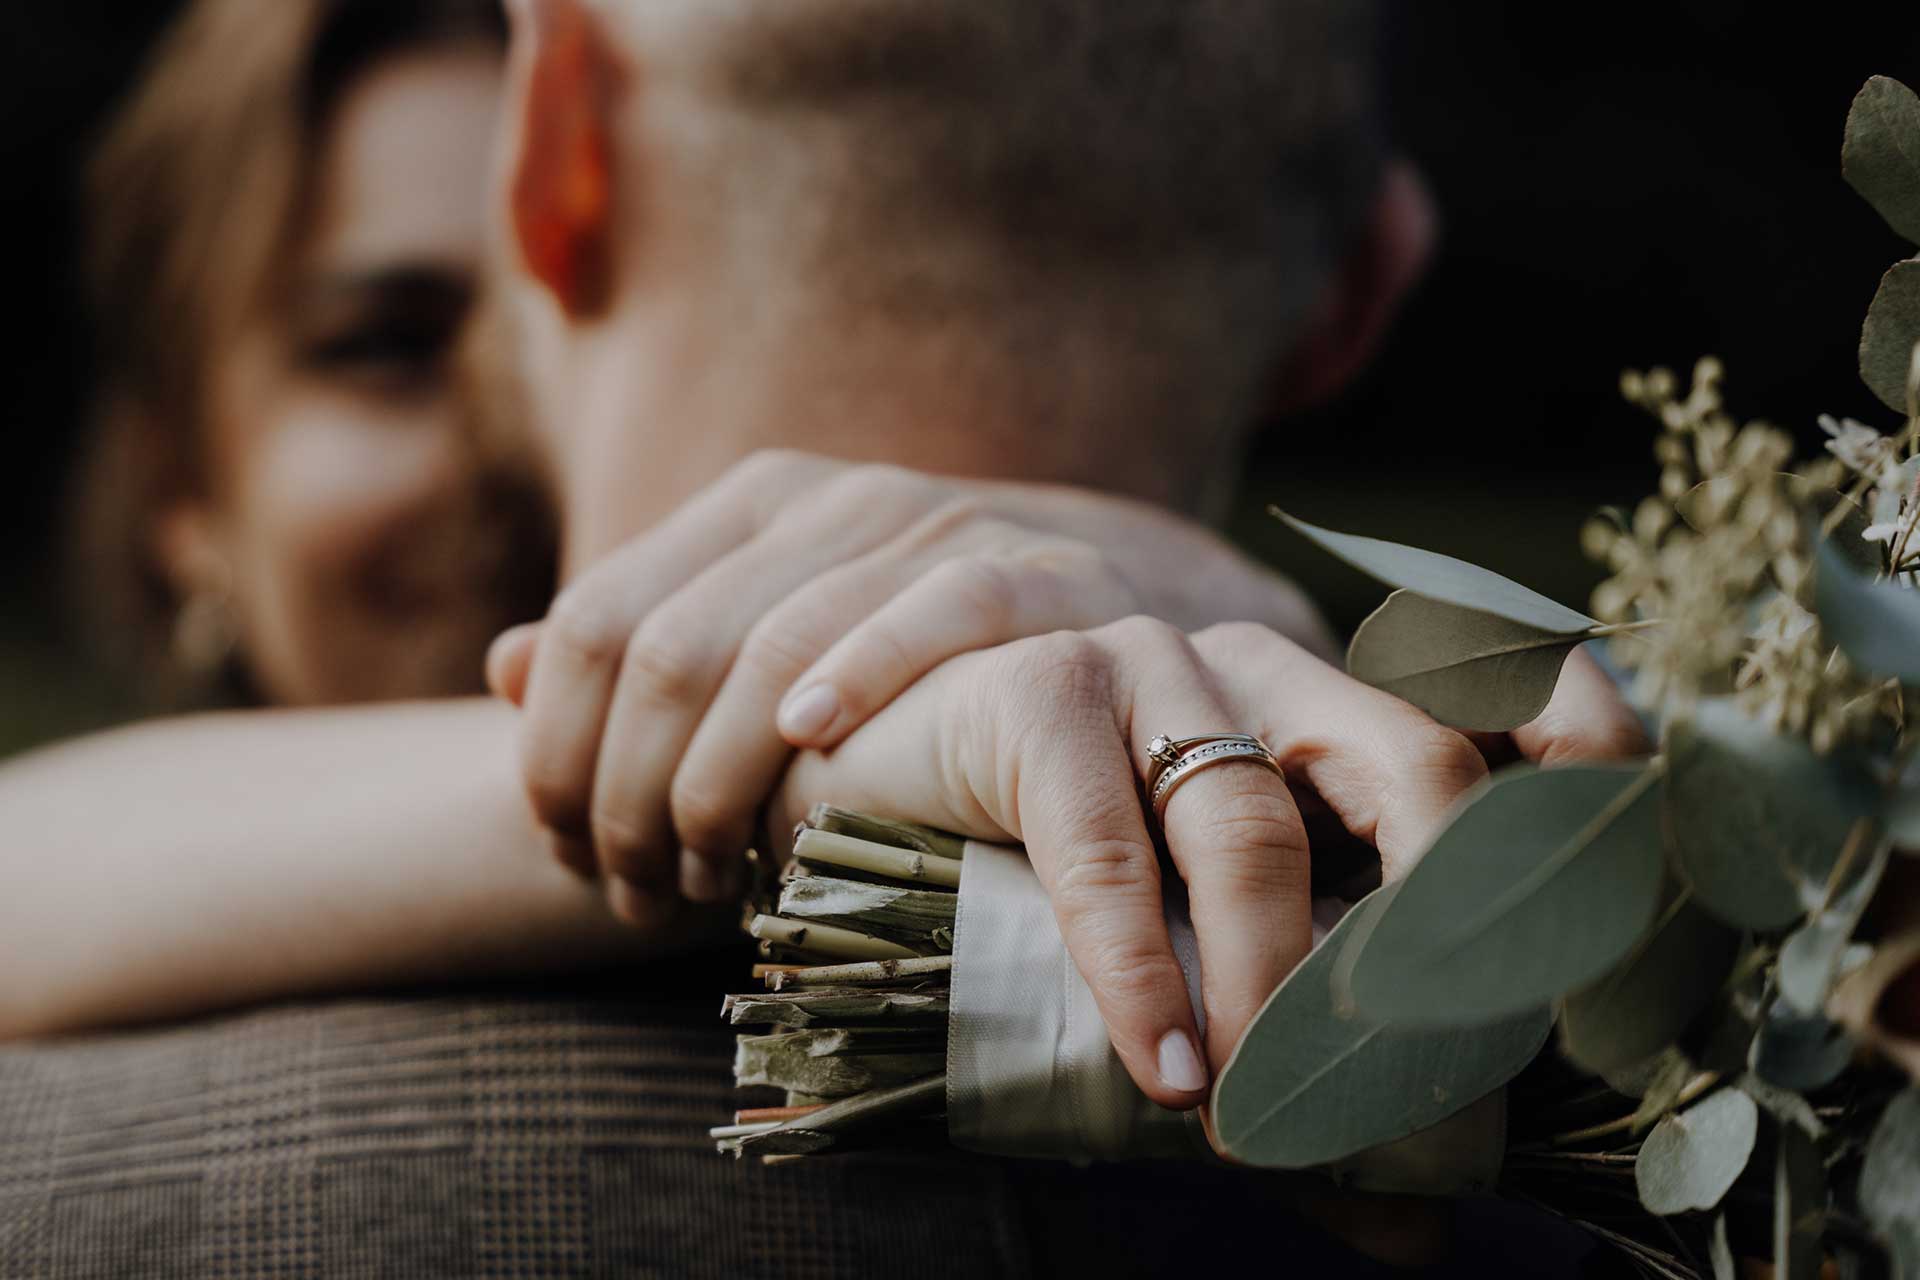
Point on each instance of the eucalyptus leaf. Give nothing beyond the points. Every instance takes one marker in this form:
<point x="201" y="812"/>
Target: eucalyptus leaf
<point x="1441" y="577"/>
<point x="1648" y="999"/>
<point x="1754" y="815"/>
<point x="1810" y="957"/>
<point x="1800" y="1051"/>
<point x="1886" y="339"/>
<point x="1542" y="881"/>
<point x="1692" y="1157"/>
<point x="1876" y="624"/>
<point x="1308" y="1085"/>
<point x="1881" y="154"/>
<point x="1464" y="667"/>
<point x="1890" y="1183"/>
<point x="1799" y="1206"/>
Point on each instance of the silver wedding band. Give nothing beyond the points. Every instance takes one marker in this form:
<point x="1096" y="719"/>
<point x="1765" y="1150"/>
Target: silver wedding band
<point x="1177" y="759"/>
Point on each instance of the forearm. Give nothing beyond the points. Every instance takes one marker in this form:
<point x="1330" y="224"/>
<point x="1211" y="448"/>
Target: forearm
<point x="192" y="864"/>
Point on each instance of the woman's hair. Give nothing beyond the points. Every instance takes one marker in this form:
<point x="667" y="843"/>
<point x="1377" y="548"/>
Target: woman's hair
<point x="195" y="193"/>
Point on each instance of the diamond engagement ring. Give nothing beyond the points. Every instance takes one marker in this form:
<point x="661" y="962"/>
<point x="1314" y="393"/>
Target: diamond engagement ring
<point x="1177" y="759"/>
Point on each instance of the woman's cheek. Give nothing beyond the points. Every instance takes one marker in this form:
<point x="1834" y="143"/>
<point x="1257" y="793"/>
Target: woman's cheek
<point x="335" y="597"/>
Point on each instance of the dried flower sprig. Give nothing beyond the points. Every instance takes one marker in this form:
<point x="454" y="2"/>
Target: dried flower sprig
<point x="1719" y="563"/>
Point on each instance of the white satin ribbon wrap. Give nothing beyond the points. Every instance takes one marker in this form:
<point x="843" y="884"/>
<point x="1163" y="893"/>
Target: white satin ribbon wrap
<point x="1030" y="1071"/>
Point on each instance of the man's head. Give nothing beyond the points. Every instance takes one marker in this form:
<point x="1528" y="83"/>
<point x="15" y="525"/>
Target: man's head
<point x="1078" y="240"/>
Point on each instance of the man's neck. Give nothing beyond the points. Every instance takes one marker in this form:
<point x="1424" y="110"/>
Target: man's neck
<point x="900" y="408"/>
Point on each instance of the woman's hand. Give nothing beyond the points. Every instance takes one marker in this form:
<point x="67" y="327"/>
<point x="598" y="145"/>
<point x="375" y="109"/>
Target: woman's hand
<point x="1044" y="741"/>
<point x="809" y="592"/>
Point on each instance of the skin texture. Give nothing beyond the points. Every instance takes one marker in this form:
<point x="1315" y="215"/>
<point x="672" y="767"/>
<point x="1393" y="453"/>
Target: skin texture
<point x="238" y="808"/>
<point x="337" y="516"/>
<point x="1042" y="739"/>
<point x="255" y="855"/>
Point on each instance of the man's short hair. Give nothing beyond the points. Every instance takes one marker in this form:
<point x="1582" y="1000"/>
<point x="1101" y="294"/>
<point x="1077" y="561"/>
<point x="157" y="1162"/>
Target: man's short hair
<point x="1203" y="162"/>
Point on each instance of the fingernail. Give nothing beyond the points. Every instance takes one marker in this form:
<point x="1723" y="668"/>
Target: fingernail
<point x="807" y="714"/>
<point x="701" y="880"/>
<point x="1180" y="1066"/>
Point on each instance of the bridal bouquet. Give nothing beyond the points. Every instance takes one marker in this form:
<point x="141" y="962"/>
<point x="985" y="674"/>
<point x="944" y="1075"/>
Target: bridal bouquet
<point x="1721" y="942"/>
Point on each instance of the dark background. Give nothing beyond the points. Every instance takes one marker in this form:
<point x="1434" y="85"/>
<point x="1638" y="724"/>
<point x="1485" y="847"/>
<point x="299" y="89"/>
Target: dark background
<point x="1622" y="185"/>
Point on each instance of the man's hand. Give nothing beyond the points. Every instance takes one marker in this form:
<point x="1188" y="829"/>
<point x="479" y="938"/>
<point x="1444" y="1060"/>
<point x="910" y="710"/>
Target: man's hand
<point x="1044" y="741"/>
<point x="809" y="592"/>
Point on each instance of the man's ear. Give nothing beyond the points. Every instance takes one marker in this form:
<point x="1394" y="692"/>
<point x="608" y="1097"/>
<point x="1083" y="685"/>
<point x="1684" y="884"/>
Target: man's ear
<point x="1365" y="294"/>
<point x="560" y="161"/>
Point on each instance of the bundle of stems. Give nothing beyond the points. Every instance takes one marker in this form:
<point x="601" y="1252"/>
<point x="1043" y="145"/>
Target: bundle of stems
<point x="856" y="935"/>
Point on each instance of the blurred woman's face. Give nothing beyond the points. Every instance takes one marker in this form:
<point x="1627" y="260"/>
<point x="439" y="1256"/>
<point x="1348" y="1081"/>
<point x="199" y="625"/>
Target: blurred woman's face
<point x="343" y="484"/>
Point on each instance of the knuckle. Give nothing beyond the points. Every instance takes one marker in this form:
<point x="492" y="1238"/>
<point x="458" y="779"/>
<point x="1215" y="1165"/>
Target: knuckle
<point x="1240" y="641"/>
<point x="621" y="841"/>
<point x="1147" y="637"/>
<point x="962" y="511"/>
<point x="659" y="669"/>
<point x="878" y="483"/>
<point x="982" y="587"/>
<point x="559" y="801"/>
<point x="1268" y="846"/>
<point x="1445" y="759"/>
<point x="587" y="624"/>
<point x="764" y="467"/>
<point x="783" y="644"/>
<point x="1065" y="669"/>
<point x="1102" y="872"/>
<point x="703" y="817"/>
<point x="1132" y="971"/>
<point x="1249" y="819"/>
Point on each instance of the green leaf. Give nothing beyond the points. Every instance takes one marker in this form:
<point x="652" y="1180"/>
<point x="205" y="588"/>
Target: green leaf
<point x="1888" y="1179"/>
<point x="1881" y="154"/>
<point x="1541" y="882"/>
<point x="1308" y="1084"/>
<point x="1464" y="667"/>
<point x="1799" y="1206"/>
<point x="1648" y="999"/>
<point x="1444" y="578"/>
<point x="1796" y="1051"/>
<point x="1810" y="957"/>
<point x="1886" y="339"/>
<point x="1754" y="815"/>
<point x="1693" y="1156"/>
<point x="1876" y="624"/>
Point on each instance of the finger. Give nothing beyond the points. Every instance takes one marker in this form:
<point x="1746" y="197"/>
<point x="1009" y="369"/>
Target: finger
<point x="645" y="814"/>
<point x="1024" y="742"/>
<point x="1060" y="740"/>
<point x="509" y="659"/>
<point x="1586" y="719"/>
<point x="577" y="661"/>
<point x="1231" y="829"/>
<point x="735" y="757"/>
<point x="1389" y="772"/>
<point x="963" y="604"/>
